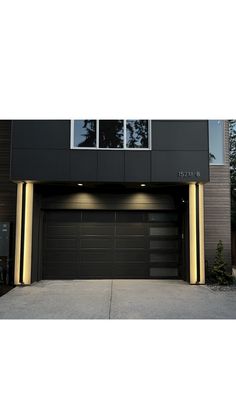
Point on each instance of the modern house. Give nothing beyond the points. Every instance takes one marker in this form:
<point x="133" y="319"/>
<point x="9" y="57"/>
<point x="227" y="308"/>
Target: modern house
<point x="113" y="198"/>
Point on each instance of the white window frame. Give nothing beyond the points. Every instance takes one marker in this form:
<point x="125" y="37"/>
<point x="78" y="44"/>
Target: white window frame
<point x="73" y="147"/>
<point x="72" y="131"/>
<point x="149" y="137"/>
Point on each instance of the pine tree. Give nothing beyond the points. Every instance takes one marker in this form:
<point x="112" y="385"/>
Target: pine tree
<point x="218" y="271"/>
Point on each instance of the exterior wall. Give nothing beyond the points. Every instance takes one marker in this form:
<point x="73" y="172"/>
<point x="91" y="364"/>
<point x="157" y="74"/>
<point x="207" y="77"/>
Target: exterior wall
<point x="218" y="208"/>
<point x="47" y="156"/>
<point x="41" y="152"/>
<point x="7" y="188"/>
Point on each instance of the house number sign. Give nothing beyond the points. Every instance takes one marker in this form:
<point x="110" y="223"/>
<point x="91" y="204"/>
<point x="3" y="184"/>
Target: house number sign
<point x="189" y="174"/>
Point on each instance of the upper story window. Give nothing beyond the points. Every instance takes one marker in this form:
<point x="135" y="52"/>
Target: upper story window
<point x="216" y="142"/>
<point x="84" y="133"/>
<point x="111" y="133"/>
<point x="116" y="134"/>
<point x="137" y="133"/>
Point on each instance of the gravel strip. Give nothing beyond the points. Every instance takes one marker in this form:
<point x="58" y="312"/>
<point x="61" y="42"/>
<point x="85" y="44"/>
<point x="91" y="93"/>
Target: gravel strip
<point x="222" y="288"/>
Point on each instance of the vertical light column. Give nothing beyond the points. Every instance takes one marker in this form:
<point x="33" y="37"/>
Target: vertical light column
<point x="19" y="202"/>
<point x="29" y="193"/>
<point x="201" y="235"/>
<point x="193" y="233"/>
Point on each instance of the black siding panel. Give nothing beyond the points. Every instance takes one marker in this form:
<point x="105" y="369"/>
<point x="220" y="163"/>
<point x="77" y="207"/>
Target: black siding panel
<point x="180" y="135"/>
<point x="7" y="188"/>
<point x="111" y="166"/>
<point x="83" y="165"/>
<point x="39" y="164"/>
<point x="167" y="164"/>
<point x="41" y="151"/>
<point x="137" y="166"/>
<point x="46" y="134"/>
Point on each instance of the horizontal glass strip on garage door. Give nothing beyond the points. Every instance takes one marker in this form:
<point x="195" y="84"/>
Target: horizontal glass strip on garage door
<point x="131" y="216"/>
<point x="131" y="255"/>
<point x="62" y="270"/>
<point x="98" y="216"/>
<point x="95" y="255"/>
<point x="130" y="270"/>
<point x="111" y="270"/>
<point x="165" y="217"/>
<point x="164" y="257"/>
<point x="164" y="244"/>
<point x="164" y="272"/>
<point x="92" y="229"/>
<point x="163" y="231"/>
<point x="134" y="229"/>
<point x="97" y="243"/>
<point x="62" y="230"/>
<point x="60" y="255"/>
<point x="61" y="243"/>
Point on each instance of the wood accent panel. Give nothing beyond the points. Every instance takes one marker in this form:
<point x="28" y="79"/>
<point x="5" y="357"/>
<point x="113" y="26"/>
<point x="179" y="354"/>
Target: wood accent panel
<point x="218" y="207"/>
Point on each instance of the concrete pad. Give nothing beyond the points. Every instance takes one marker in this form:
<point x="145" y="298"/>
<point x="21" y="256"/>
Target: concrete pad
<point x="58" y="300"/>
<point x="117" y="299"/>
<point x="168" y="299"/>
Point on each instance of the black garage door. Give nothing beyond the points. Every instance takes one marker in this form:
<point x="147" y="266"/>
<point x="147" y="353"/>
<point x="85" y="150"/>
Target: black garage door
<point x="110" y="244"/>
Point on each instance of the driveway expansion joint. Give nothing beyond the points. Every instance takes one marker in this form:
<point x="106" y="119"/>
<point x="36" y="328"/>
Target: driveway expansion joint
<point x="110" y="300"/>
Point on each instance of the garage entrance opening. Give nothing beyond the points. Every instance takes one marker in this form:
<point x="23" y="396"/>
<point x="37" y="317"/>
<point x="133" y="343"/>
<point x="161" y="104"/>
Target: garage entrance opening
<point x="111" y="244"/>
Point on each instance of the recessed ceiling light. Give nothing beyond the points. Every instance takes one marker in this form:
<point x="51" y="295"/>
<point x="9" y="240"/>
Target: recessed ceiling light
<point x="143" y="184"/>
<point x="80" y="184"/>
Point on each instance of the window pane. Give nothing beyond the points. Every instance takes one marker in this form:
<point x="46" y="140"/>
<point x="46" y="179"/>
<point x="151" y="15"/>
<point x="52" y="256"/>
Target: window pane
<point x="111" y="133"/>
<point x="216" y="142"/>
<point x="137" y="133"/>
<point x="163" y="244"/>
<point x="163" y="272"/>
<point x="163" y="257"/>
<point x="163" y="216"/>
<point x="85" y="133"/>
<point x="163" y="231"/>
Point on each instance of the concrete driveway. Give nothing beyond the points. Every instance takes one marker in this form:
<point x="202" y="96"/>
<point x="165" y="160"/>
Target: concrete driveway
<point x="117" y="299"/>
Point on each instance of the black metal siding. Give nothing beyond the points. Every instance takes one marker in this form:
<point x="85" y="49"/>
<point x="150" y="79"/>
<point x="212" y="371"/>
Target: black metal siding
<point x="7" y="192"/>
<point x="41" y="151"/>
